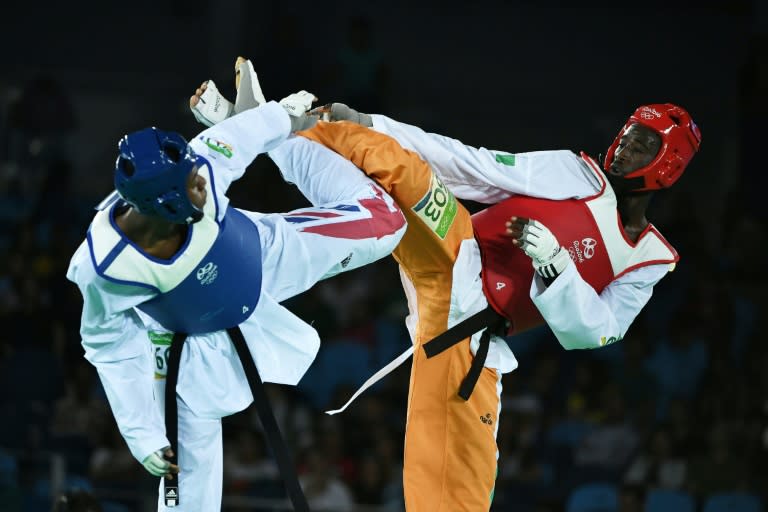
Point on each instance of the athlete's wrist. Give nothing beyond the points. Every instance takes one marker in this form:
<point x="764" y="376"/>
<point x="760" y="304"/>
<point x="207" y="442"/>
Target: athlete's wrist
<point x="552" y="267"/>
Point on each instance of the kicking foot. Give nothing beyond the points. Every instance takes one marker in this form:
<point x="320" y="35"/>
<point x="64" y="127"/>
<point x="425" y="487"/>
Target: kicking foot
<point x="249" y="93"/>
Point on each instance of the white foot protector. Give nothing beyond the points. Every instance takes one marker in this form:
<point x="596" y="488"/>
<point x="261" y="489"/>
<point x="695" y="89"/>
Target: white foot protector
<point x="212" y="107"/>
<point x="249" y="93"/>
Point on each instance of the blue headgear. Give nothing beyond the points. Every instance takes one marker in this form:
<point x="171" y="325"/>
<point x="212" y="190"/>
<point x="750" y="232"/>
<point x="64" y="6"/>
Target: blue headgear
<point x="151" y="174"/>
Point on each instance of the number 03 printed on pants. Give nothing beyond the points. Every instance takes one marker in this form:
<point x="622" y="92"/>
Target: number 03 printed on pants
<point x="437" y="208"/>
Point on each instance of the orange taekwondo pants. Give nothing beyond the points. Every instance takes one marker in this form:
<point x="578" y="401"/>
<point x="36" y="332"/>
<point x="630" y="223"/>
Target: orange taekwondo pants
<point x="450" y="451"/>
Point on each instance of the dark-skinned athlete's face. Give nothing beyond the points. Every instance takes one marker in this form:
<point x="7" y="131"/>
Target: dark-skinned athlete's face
<point x="638" y="146"/>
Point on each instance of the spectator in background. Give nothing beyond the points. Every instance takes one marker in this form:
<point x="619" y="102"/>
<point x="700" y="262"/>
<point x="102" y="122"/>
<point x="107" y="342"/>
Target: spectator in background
<point x="743" y="284"/>
<point x="610" y="443"/>
<point x="292" y="414"/>
<point x="369" y="484"/>
<point x="521" y="429"/>
<point x="571" y="418"/>
<point x="371" y="433"/>
<point x="631" y="498"/>
<point x="40" y="122"/>
<point x="80" y="412"/>
<point x="685" y="434"/>
<point x="637" y="383"/>
<point x="325" y="491"/>
<point x="332" y="442"/>
<point x="359" y="73"/>
<point x="29" y="400"/>
<point x="718" y="467"/>
<point x="77" y="501"/>
<point x="658" y="464"/>
<point x="569" y="426"/>
<point x="246" y="462"/>
<point x="111" y="464"/>
<point x="314" y="307"/>
<point x="679" y="361"/>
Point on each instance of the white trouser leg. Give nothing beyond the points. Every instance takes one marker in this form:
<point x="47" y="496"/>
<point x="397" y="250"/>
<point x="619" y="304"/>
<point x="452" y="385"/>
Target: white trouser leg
<point x="353" y="223"/>
<point x="201" y="464"/>
<point x="321" y="174"/>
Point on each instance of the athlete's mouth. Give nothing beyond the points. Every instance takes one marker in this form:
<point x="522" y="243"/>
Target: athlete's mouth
<point x="615" y="171"/>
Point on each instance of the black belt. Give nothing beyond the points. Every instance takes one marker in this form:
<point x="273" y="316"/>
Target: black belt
<point x="171" y="487"/>
<point x="486" y="318"/>
<point x="264" y="410"/>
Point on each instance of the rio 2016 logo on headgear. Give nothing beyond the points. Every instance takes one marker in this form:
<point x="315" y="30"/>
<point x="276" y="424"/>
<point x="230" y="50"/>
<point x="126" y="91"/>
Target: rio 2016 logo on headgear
<point x="207" y="273"/>
<point x="649" y="113"/>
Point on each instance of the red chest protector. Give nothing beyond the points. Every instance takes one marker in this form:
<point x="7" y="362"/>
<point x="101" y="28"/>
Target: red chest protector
<point x="507" y="271"/>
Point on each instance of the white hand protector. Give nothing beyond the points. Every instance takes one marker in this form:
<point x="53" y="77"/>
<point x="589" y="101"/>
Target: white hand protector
<point x="212" y="107"/>
<point x="156" y="464"/>
<point x="538" y="242"/>
<point x="297" y="105"/>
<point x="249" y="93"/>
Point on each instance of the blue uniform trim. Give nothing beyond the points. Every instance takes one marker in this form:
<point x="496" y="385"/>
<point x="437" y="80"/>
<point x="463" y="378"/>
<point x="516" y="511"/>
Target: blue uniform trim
<point x="205" y="162"/>
<point x="116" y="250"/>
<point x="130" y="242"/>
<point x="101" y="273"/>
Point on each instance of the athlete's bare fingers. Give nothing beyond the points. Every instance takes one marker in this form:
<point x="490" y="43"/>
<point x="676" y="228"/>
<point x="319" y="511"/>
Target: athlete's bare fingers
<point x="173" y="469"/>
<point x="516" y="224"/>
<point x="515" y="227"/>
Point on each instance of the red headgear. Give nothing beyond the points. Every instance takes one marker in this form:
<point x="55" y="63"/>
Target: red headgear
<point x="680" y="140"/>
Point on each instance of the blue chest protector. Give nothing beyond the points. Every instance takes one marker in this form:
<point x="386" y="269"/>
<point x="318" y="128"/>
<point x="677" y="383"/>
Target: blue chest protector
<point x="223" y="290"/>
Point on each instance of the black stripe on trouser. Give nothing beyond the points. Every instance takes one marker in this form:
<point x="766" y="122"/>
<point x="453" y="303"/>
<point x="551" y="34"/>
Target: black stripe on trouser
<point x="486" y="318"/>
<point x="271" y="430"/>
<point x="171" y="487"/>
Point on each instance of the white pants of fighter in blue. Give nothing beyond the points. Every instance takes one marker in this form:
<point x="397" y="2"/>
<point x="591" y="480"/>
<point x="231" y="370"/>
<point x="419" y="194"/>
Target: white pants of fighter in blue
<point x="352" y="223"/>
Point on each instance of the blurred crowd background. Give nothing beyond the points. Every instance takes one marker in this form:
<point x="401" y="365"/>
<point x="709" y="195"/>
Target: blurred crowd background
<point x="674" y="417"/>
